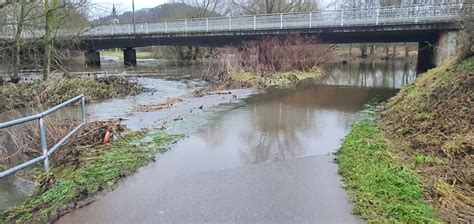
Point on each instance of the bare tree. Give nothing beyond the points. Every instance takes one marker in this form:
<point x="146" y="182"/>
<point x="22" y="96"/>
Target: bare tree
<point x="207" y="8"/>
<point x="273" y="6"/>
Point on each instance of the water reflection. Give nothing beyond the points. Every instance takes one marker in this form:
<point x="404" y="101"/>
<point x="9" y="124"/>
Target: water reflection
<point x="281" y="124"/>
<point x="385" y="73"/>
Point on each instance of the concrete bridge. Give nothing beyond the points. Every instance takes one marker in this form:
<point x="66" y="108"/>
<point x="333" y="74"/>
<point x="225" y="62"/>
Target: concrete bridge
<point x="434" y="27"/>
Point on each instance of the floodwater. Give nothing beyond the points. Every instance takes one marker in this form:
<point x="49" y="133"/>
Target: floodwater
<point x="268" y="159"/>
<point x="264" y="159"/>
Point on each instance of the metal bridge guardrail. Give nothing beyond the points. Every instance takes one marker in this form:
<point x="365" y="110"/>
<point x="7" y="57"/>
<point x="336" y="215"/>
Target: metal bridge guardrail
<point x="44" y="145"/>
<point x="413" y="14"/>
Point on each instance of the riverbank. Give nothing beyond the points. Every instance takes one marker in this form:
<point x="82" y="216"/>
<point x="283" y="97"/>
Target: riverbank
<point x="419" y="154"/>
<point x="83" y="171"/>
<point x="56" y="91"/>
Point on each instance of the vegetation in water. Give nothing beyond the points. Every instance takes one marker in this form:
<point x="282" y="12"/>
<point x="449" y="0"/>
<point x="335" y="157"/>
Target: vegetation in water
<point x="280" y="61"/>
<point x="56" y="91"/>
<point x="383" y="189"/>
<point x="66" y="186"/>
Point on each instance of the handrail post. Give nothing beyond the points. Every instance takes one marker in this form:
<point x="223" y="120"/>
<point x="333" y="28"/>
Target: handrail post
<point x="146" y="28"/>
<point x="416" y="14"/>
<point x="84" y="110"/>
<point x="377" y="16"/>
<point x="129" y="29"/>
<point x="230" y="23"/>
<point x="44" y="144"/>
<point x="310" y="19"/>
<point x="185" y="26"/>
<point x="254" y="22"/>
<point x="342" y="17"/>
<point x="281" y="20"/>
<point x="166" y="27"/>
<point x="112" y="28"/>
<point x="207" y="24"/>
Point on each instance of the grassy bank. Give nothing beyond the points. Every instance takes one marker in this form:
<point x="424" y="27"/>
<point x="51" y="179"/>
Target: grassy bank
<point x="67" y="186"/>
<point x="54" y="91"/>
<point x="432" y="120"/>
<point x="119" y="54"/>
<point x="419" y="154"/>
<point x="283" y="79"/>
<point x="383" y="189"/>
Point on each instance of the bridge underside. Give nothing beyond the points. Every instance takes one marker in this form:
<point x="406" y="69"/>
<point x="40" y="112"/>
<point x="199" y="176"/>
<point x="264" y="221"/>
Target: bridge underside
<point x="363" y="34"/>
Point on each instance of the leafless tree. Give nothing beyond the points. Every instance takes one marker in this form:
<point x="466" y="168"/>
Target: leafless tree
<point x="273" y="6"/>
<point x="207" y="8"/>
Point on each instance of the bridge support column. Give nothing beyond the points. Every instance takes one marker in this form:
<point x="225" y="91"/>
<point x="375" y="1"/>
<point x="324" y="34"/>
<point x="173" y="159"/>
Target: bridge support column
<point x="434" y="52"/>
<point x="92" y="59"/>
<point x="130" y="57"/>
<point x="426" y="53"/>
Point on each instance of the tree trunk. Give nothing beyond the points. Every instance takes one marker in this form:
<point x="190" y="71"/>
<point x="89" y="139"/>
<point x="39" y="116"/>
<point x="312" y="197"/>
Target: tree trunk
<point x="15" y="77"/>
<point x="407" y="50"/>
<point x="372" y="49"/>
<point x="50" y="8"/>
<point x="394" y="50"/>
<point x="387" y="51"/>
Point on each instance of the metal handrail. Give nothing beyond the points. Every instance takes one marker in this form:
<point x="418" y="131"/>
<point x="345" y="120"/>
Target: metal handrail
<point x="42" y="131"/>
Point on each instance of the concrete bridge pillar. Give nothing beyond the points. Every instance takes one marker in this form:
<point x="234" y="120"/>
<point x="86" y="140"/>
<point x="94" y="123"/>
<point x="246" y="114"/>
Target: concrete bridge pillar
<point x="434" y="52"/>
<point x="92" y="59"/>
<point x="130" y="57"/>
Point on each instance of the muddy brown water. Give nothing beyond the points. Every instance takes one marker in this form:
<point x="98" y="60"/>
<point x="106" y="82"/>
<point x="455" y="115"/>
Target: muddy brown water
<point x="279" y="142"/>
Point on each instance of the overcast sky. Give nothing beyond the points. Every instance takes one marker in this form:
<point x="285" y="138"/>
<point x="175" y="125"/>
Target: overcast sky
<point x="126" y="5"/>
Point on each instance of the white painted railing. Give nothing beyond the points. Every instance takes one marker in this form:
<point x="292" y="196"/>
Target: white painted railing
<point x="319" y="19"/>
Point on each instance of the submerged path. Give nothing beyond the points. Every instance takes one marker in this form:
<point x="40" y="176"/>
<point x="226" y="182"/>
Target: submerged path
<point x="303" y="190"/>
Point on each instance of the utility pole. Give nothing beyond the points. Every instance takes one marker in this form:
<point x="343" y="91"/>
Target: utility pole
<point x="133" y="13"/>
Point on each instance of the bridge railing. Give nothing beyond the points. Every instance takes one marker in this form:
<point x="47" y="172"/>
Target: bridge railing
<point x="42" y="134"/>
<point x="319" y="19"/>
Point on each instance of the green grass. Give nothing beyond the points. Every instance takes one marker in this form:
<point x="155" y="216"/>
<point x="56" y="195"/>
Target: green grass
<point x="119" y="54"/>
<point x="101" y="171"/>
<point x="382" y="188"/>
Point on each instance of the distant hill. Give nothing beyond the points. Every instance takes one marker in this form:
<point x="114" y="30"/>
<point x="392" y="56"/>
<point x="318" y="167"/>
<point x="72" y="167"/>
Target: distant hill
<point x="161" y="12"/>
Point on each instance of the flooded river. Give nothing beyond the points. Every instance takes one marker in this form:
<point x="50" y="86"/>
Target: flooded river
<point x="265" y="157"/>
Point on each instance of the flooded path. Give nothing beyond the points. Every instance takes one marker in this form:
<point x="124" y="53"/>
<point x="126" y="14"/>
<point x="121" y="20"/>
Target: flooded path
<point x="268" y="159"/>
<point x="265" y="159"/>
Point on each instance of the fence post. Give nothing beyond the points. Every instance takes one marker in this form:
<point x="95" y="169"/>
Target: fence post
<point x="166" y="27"/>
<point x="377" y="16"/>
<point x="146" y="28"/>
<point x="416" y="14"/>
<point x="84" y="110"/>
<point x="254" y="22"/>
<point x="185" y="26"/>
<point x="95" y="30"/>
<point x="230" y="23"/>
<point x="44" y="144"/>
<point x="310" y="19"/>
<point x="207" y="24"/>
<point x="281" y="20"/>
<point x="112" y="28"/>
<point x="342" y="17"/>
<point x="129" y="29"/>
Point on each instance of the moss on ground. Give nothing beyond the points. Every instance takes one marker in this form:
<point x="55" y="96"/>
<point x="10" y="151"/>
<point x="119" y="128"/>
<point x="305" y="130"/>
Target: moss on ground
<point x="119" y="54"/>
<point x="52" y="92"/>
<point x="383" y="189"/>
<point x="102" y="169"/>
<point x="282" y="79"/>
